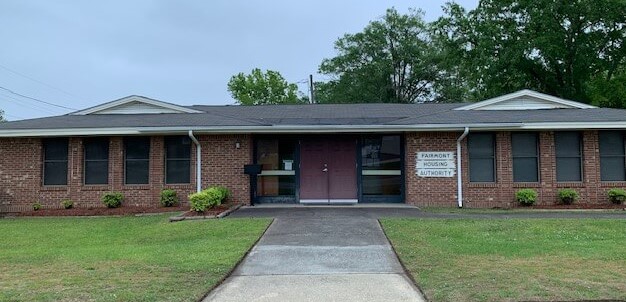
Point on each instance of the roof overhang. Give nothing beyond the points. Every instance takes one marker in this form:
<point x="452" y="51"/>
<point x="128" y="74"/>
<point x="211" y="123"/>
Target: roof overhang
<point x="310" y="129"/>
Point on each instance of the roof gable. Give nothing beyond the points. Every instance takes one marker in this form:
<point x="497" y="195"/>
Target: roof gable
<point x="525" y="100"/>
<point x="135" y="104"/>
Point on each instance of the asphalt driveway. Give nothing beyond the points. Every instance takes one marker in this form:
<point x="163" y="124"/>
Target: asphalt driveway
<point x="319" y="255"/>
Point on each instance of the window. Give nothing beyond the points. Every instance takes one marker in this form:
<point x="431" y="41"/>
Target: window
<point x="525" y="157"/>
<point x="568" y="156"/>
<point x="96" y="161"/>
<point x="137" y="160"/>
<point x="177" y="160"/>
<point x="612" y="156"/>
<point x="381" y="165"/>
<point x="482" y="160"/>
<point x="55" y="161"/>
<point x="278" y="177"/>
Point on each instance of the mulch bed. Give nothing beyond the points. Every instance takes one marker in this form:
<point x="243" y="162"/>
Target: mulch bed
<point x="128" y="210"/>
<point x="212" y="212"/>
<point x="576" y="206"/>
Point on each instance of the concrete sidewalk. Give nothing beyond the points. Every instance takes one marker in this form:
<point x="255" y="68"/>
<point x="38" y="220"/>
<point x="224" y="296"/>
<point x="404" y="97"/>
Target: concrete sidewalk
<point x="320" y="257"/>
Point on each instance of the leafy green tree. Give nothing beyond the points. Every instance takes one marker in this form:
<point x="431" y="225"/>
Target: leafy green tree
<point x="554" y="46"/>
<point x="263" y="88"/>
<point x="2" y="119"/>
<point x="389" y="61"/>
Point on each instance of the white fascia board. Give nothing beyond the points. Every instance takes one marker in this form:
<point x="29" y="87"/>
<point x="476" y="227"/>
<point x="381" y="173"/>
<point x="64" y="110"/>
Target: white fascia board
<point x="134" y="98"/>
<point x="522" y="93"/>
<point x="306" y="129"/>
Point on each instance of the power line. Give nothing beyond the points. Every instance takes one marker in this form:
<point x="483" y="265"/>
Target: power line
<point x="35" y="80"/>
<point x="35" y="99"/>
<point x="8" y="97"/>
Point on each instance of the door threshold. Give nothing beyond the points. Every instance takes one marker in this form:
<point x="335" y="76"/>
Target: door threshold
<point x="329" y="201"/>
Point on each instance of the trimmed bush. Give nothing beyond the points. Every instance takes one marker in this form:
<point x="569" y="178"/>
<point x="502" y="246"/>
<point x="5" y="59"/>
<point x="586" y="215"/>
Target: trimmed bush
<point x="67" y="204"/>
<point x="568" y="196"/>
<point x="526" y="197"/>
<point x="169" y="198"/>
<point x="617" y="196"/>
<point x="113" y="199"/>
<point x="36" y="206"/>
<point x="204" y="200"/>
<point x="225" y="193"/>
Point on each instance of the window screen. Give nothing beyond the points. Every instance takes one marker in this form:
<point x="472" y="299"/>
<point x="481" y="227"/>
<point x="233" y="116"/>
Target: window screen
<point x="137" y="160"/>
<point x="482" y="163"/>
<point x="525" y="157"/>
<point x="568" y="156"/>
<point x="177" y="160"/>
<point x="612" y="156"/>
<point x="55" y="161"/>
<point x="96" y="161"/>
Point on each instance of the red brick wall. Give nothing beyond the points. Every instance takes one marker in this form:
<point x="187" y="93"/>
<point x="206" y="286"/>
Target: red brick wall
<point x="21" y="173"/>
<point x="442" y="191"/>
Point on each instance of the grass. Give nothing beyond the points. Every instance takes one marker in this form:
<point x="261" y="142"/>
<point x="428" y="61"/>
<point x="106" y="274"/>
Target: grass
<point x="454" y="210"/>
<point x="513" y="259"/>
<point x="119" y="258"/>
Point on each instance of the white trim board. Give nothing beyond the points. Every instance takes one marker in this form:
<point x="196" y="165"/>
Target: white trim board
<point x="525" y="100"/>
<point x="135" y="104"/>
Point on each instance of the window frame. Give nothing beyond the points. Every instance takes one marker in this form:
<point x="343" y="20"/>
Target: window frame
<point x="493" y="158"/>
<point x="148" y="140"/>
<point x="167" y="159"/>
<point x="107" y="142"/>
<point x="622" y="156"/>
<point x="536" y="157"/>
<point x="580" y="157"/>
<point x="44" y="161"/>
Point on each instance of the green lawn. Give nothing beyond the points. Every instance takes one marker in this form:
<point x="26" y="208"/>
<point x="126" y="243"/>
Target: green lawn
<point x="513" y="259"/>
<point x="119" y="258"/>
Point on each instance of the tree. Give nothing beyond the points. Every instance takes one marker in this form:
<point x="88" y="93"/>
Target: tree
<point x="263" y="88"/>
<point x="554" y="46"/>
<point x="389" y="61"/>
<point x="2" y="119"/>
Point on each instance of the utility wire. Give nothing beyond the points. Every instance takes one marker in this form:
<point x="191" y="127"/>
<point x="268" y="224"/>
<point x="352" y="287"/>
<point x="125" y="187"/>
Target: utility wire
<point x="35" y="99"/>
<point x="35" y="80"/>
<point x="7" y="97"/>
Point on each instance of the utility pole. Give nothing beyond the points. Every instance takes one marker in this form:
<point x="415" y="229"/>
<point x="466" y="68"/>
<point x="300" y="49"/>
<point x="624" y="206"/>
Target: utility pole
<point x="311" y="91"/>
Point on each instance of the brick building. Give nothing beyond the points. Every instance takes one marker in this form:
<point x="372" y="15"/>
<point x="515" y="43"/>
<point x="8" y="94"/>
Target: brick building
<point x="344" y="153"/>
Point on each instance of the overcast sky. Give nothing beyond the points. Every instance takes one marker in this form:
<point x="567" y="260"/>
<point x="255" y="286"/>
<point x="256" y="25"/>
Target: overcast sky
<point x="82" y="53"/>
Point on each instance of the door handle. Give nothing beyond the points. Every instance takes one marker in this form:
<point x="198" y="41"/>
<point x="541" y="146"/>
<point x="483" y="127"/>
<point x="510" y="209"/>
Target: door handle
<point x="325" y="168"/>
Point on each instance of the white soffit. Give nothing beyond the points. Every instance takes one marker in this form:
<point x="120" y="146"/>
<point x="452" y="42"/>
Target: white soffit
<point x="135" y="105"/>
<point x="525" y="100"/>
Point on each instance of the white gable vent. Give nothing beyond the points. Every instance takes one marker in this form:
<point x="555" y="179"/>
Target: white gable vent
<point x="525" y="100"/>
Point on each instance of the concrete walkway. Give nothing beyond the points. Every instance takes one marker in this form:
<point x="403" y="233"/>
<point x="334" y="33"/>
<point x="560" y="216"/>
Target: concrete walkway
<point x="319" y="255"/>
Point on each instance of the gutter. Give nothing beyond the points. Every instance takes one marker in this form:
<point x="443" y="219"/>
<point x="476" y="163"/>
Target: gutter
<point x="459" y="176"/>
<point x="198" y="161"/>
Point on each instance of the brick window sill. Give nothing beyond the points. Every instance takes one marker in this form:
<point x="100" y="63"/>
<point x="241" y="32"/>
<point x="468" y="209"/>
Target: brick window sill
<point x="570" y="185"/>
<point x="136" y="187"/>
<point x="612" y="184"/>
<point x="54" y="188"/>
<point x="483" y="185"/>
<point x="95" y="188"/>
<point x="526" y="185"/>
<point x="179" y="186"/>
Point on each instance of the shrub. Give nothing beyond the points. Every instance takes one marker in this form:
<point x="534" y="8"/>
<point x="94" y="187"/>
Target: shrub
<point x="568" y="196"/>
<point x="112" y="199"/>
<point x="36" y="206"/>
<point x="169" y="198"/>
<point x="224" y="192"/>
<point x="526" y="197"/>
<point x="204" y="200"/>
<point x="67" y="204"/>
<point x="617" y="196"/>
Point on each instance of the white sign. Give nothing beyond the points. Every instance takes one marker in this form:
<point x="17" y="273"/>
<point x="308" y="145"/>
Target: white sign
<point x="435" y="164"/>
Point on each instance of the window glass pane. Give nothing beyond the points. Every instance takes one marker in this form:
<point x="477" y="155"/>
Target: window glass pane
<point x="482" y="170"/>
<point x="55" y="149"/>
<point x="612" y="168"/>
<point x="96" y="149"/>
<point x="481" y="144"/>
<point x="178" y="171"/>
<point x="55" y="173"/>
<point x="276" y="185"/>
<point x="567" y="143"/>
<point x="382" y="185"/>
<point x="137" y="171"/>
<point x="381" y="153"/>
<point x="524" y="144"/>
<point x="96" y="172"/>
<point x="178" y="147"/>
<point x="525" y="169"/>
<point x="568" y="169"/>
<point x="137" y="147"/>
<point x="611" y="143"/>
<point x="276" y="154"/>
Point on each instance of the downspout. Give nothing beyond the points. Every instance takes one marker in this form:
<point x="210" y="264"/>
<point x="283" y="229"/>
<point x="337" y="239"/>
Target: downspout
<point x="459" y="177"/>
<point x="198" y="161"/>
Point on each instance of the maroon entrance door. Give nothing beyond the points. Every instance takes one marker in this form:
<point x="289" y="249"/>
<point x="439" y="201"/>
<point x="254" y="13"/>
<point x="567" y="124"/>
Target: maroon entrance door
<point x="328" y="170"/>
